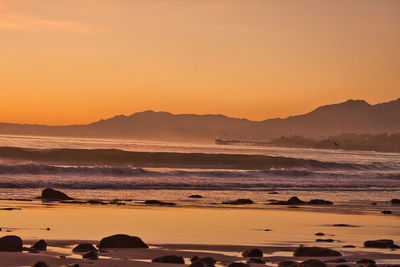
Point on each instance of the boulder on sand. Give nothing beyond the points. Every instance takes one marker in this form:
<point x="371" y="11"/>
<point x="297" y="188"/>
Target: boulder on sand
<point x="288" y="264"/>
<point x="315" y="252"/>
<point x="40" y="264"/>
<point x="122" y="241"/>
<point x="238" y="264"/>
<point x="169" y="259"/>
<point x="84" y="247"/>
<point x="40" y="245"/>
<point x="312" y="263"/>
<point x="11" y="243"/>
<point x="381" y="243"/>
<point x="93" y="255"/>
<point x="240" y="201"/>
<point x="253" y="252"/>
<point x="51" y="194"/>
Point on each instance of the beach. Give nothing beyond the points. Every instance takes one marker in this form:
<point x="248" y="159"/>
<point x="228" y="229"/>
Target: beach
<point x="195" y="200"/>
<point x="219" y="230"/>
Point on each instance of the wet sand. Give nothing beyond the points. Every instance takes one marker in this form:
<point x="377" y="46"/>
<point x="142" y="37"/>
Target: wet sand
<point x="222" y="231"/>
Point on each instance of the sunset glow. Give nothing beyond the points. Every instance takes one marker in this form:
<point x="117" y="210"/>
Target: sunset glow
<point x="70" y="62"/>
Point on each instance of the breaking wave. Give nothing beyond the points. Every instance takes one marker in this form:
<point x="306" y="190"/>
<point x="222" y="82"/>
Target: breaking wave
<point x="121" y="158"/>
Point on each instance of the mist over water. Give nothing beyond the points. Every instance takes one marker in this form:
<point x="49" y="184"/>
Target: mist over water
<point x="94" y="166"/>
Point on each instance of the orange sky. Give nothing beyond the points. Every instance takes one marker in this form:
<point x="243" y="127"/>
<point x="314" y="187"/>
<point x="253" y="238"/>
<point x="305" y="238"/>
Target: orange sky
<point x="77" y="61"/>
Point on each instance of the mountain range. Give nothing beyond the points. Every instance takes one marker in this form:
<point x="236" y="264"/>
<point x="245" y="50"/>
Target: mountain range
<point x="352" y="116"/>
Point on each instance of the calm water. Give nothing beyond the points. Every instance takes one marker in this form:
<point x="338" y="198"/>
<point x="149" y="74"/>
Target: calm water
<point x="339" y="175"/>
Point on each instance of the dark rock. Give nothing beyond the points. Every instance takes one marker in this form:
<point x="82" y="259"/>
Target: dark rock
<point x="194" y="258"/>
<point x="256" y="261"/>
<point x="387" y="212"/>
<point x="382" y="243"/>
<point x="253" y="252"/>
<point x="290" y="201"/>
<point x="238" y="264"/>
<point x="93" y="255"/>
<point x="51" y="194"/>
<point x="40" y="245"/>
<point x="288" y="264"/>
<point x="202" y="262"/>
<point x="324" y="240"/>
<point x="11" y="243"/>
<point x="344" y="225"/>
<point x="84" y="247"/>
<point x="267" y="230"/>
<point x="195" y="196"/>
<point x="199" y="263"/>
<point x="395" y="201"/>
<point x="343" y="265"/>
<point x="73" y="265"/>
<point x="209" y="261"/>
<point x="241" y="201"/>
<point x="40" y="264"/>
<point x="319" y="234"/>
<point x="366" y="261"/>
<point x="96" y="202"/>
<point x="10" y="209"/>
<point x="169" y="259"/>
<point x="122" y="241"/>
<point x="319" y="202"/>
<point x="394" y="246"/>
<point x="336" y="261"/>
<point x="349" y="246"/>
<point x="312" y="263"/>
<point x="158" y="202"/>
<point x="273" y="193"/>
<point x="315" y="252"/>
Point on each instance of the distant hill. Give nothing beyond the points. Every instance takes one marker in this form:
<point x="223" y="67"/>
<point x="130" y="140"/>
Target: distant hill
<point x="352" y="116"/>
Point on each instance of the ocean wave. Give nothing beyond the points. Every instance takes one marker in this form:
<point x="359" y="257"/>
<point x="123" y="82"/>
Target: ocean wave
<point x="121" y="158"/>
<point x="91" y="185"/>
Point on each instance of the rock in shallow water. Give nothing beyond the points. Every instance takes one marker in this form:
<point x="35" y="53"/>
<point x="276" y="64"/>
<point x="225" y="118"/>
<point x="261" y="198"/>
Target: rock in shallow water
<point x="195" y="196"/>
<point x="240" y="201"/>
<point x="122" y="241"/>
<point x="51" y="194"/>
<point x="11" y="243"/>
<point x="158" y="202"/>
<point x="395" y="201"/>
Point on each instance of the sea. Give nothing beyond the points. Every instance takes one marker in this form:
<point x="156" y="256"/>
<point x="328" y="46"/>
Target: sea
<point x="107" y="169"/>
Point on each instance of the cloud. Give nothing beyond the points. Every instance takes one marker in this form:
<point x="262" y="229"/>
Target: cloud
<point x="21" y="22"/>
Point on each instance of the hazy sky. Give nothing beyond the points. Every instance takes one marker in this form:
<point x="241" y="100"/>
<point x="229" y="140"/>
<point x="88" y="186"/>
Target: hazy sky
<point x="77" y="61"/>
